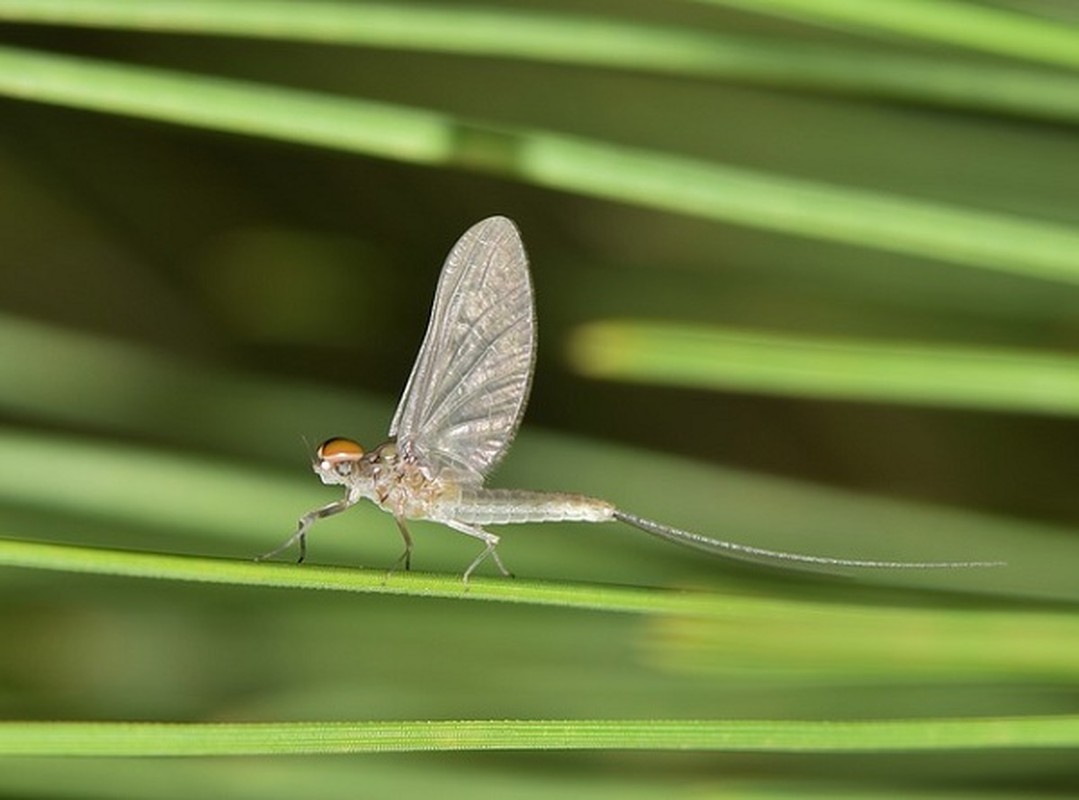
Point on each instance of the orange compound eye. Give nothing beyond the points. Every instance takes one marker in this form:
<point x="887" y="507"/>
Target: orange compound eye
<point x="339" y="449"/>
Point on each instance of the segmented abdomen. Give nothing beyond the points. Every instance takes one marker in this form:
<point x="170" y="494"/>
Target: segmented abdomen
<point x="507" y="506"/>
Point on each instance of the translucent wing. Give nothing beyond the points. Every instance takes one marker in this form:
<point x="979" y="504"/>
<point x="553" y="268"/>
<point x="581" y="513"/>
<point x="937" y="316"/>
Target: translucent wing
<point x="469" y="386"/>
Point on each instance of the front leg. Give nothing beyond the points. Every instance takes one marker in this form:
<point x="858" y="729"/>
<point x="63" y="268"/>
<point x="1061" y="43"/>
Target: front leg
<point x="306" y="521"/>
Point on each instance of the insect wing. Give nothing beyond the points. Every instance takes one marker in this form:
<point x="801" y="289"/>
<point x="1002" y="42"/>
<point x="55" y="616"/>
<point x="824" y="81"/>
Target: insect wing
<point x="469" y="386"/>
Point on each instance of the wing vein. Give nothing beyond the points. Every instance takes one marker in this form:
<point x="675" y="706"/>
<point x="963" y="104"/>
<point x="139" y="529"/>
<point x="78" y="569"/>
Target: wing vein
<point x="468" y="389"/>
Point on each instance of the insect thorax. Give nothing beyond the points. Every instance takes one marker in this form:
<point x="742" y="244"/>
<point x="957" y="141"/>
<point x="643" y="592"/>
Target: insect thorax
<point x="406" y="489"/>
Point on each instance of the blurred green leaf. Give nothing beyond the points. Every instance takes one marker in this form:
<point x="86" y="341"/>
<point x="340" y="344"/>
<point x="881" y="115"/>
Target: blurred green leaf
<point x="614" y="43"/>
<point x="1015" y="245"/>
<point x="841" y="642"/>
<point x="974" y="25"/>
<point x="718" y="358"/>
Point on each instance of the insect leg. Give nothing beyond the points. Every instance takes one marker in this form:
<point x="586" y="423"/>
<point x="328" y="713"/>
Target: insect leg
<point x="487" y="537"/>
<point x="405" y="557"/>
<point x="306" y="521"/>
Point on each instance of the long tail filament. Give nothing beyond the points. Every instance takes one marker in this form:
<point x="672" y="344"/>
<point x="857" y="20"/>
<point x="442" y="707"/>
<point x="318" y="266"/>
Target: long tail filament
<point x="743" y="551"/>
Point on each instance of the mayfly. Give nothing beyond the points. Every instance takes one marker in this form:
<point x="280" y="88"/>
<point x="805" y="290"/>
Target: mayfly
<point x="460" y="410"/>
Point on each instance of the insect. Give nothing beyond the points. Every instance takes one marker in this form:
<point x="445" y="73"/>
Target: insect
<point x="460" y="410"/>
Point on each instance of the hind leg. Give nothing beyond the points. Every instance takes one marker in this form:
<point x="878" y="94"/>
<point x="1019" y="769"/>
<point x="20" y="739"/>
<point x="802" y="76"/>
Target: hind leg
<point x="487" y="538"/>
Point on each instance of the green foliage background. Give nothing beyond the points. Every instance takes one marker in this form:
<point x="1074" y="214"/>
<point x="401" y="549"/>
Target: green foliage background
<point x="806" y="278"/>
